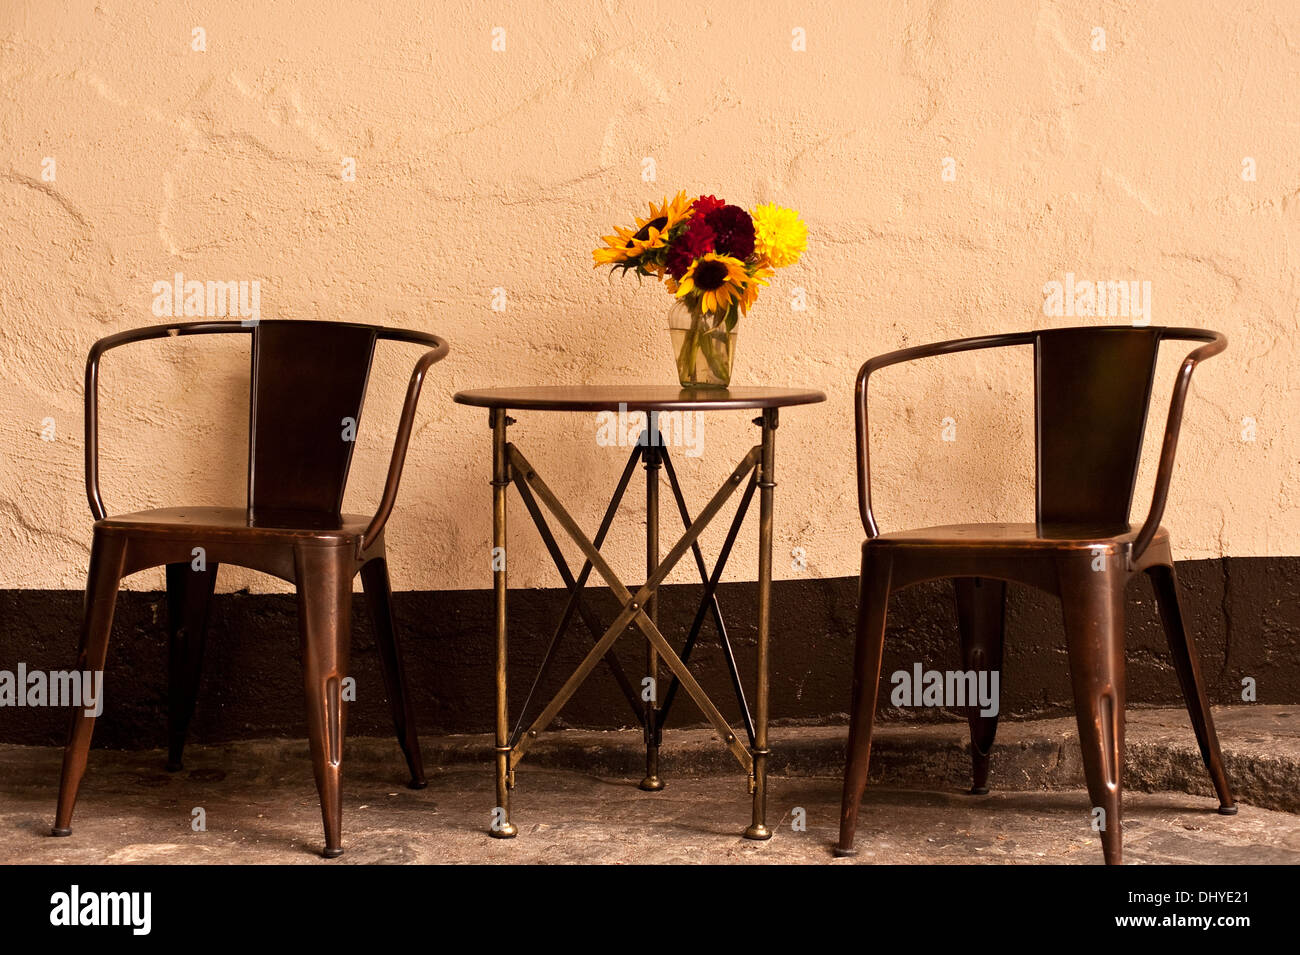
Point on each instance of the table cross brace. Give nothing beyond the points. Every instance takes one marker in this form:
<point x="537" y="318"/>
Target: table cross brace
<point x="633" y="613"/>
<point x="575" y="587"/>
<point x="709" y="603"/>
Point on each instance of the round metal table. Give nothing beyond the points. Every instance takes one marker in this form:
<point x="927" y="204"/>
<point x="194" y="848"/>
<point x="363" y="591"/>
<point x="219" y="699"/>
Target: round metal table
<point x="755" y="473"/>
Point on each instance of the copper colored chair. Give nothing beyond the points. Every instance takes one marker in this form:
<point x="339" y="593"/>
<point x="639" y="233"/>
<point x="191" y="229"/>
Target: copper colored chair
<point x="308" y="384"/>
<point x="1092" y="390"/>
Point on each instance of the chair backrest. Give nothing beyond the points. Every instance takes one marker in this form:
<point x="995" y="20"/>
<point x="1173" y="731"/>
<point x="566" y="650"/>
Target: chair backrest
<point x="1092" y="390"/>
<point x="308" y="387"/>
<point x="308" y="384"/>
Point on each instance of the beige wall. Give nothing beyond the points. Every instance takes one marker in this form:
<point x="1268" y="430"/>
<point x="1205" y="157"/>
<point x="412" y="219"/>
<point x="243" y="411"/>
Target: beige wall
<point x="478" y="169"/>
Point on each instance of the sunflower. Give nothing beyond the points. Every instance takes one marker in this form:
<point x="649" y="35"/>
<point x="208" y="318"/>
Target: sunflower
<point x="779" y="235"/>
<point x="628" y="247"/>
<point x="749" y="296"/>
<point x="717" y="280"/>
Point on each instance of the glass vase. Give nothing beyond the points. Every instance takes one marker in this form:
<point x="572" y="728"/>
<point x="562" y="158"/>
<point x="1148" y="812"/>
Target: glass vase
<point x="704" y="344"/>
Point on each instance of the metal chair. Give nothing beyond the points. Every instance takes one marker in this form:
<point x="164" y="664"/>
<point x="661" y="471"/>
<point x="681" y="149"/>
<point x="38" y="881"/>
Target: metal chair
<point x="308" y="382"/>
<point x="1092" y="390"/>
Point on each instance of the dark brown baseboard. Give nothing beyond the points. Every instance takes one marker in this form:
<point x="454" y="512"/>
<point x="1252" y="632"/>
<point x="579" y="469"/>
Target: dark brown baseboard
<point x="1244" y="611"/>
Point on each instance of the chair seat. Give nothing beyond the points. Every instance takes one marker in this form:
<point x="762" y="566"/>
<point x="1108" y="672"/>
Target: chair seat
<point x="1052" y="537"/>
<point x="237" y="521"/>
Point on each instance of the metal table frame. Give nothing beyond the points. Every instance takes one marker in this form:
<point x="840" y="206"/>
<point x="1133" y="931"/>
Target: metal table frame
<point x="755" y="472"/>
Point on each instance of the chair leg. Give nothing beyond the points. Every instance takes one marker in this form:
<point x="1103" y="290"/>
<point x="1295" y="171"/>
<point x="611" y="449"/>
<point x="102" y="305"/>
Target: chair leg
<point x="981" y="614"/>
<point x="107" y="554"/>
<point x="1092" y="603"/>
<point x="189" y="597"/>
<point x="873" y="605"/>
<point x="1188" y="666"/>
<point x="379" y="595"/>
<point x="324" y="577"/>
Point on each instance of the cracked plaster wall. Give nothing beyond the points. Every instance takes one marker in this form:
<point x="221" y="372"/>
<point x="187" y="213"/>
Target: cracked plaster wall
<point x="478" y="169"/>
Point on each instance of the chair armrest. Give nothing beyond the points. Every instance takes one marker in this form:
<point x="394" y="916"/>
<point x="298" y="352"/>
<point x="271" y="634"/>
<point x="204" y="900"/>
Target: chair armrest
<point x="92" y="388"/>
<point x="404" y="426"/>
<point x="1215" y="342"/>
<point x="893" y="358"/>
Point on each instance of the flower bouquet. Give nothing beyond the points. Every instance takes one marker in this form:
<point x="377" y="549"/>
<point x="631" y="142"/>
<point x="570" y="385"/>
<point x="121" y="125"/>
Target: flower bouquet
<point x="712" y="257"/>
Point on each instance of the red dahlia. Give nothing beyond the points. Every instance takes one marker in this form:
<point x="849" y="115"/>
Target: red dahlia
<point x="694" y="241"/>
<point x="733" y="230"/>
<point x="706" y="204"/>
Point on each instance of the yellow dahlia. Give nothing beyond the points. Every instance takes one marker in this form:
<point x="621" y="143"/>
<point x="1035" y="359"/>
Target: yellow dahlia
<point x="780" y="236"/>
<point x="717" y="281"/>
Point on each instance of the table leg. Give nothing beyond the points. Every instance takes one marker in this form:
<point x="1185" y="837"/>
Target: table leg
<point x="766" y="482"/>
<point x="502" y="827"/>
<point x="650" y="694"/>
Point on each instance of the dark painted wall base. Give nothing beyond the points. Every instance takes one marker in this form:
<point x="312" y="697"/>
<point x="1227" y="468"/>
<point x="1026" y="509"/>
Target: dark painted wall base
<point x="1245" y="614"/>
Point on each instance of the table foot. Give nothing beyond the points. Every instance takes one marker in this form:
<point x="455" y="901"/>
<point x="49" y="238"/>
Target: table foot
<point x="508" y="831"/>
<point x="651" y="784"/>
<point x="759" y="833"/>
<point x="845" y="853"/>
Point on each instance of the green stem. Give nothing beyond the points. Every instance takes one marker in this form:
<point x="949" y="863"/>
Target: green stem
<point x="686" y="357"/>
<point x="709" y="343"/>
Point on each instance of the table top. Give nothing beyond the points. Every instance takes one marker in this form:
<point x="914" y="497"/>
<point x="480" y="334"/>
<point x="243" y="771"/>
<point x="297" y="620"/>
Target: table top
<point x="635" y="398"/>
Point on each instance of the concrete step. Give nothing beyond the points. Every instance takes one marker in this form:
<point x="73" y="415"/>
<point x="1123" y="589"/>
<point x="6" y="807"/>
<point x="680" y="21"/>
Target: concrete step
<point x="1261" y="750"/>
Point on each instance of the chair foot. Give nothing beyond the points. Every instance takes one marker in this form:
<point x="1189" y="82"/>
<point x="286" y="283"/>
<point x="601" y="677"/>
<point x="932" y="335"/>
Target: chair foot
<point x="758" y="833"/>
<point x="651" y="784"/>
<point x="379" y="596"/>
<point x="324" y="620"/>
<point x="1228" y="810"/>
<point x="56" y="831"/>
<point x="981" y="618"/>
<point x="873" y="603"/>
<point x="107" y="556"/>
<point x="845" y="853"/>
<point x="417" y="784"/>
<point x="1092" y="604"/>
<point x="189" y="597"/>
<point x="508" y="831"/>
<point x="1187" y="666"/>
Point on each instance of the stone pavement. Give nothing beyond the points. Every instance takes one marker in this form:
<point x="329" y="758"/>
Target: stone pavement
<point x="577" y="801"/>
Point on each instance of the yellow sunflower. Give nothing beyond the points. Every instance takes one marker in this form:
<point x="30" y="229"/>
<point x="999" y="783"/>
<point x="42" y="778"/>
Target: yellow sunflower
<point x="627" y="246"/>
<point x="718" y="281"/>
<point x="780" y="236"/>
<point x="749" y="296"/>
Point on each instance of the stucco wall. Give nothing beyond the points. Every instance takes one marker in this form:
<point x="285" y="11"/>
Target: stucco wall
<point x="478" y="170"/>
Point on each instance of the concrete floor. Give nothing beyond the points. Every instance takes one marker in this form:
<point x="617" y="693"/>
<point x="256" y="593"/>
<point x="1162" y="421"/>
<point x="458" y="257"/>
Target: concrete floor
<point x="261" y="807"/>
